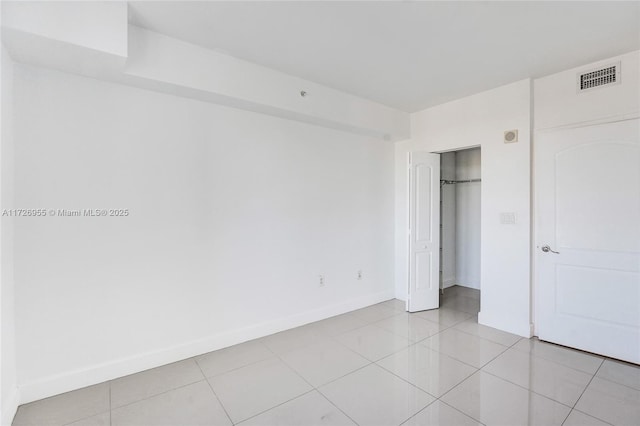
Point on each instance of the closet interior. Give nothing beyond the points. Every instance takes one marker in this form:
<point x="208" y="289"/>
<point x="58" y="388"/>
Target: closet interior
<point x="460" y="183"/>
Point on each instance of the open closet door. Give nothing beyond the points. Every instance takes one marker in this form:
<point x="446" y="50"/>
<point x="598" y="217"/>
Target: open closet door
<point x="424" y="232"/>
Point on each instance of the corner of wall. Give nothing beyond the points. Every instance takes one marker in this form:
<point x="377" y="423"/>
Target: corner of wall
<point x="9" y="407"/>
<point x="9" y="396"/>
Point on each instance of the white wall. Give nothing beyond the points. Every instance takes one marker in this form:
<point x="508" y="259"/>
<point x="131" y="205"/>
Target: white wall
<point x="233" y="217"/>
<point x="8" y="385"/>
<point x="558" y="103"/>
<point x="99" y="25"/>
<point x="467" y="218"/>
<point x="482" y="119"/>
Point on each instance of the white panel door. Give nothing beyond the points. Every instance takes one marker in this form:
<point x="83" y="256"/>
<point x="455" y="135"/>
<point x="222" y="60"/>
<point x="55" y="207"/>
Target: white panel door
<point x="588" y="238"/>
<point x="424" y="234"/>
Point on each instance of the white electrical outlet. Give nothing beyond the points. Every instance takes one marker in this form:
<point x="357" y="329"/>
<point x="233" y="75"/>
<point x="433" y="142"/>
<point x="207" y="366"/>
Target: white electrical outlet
<point x="321" y="280"/>
<point x="359" y="275"/>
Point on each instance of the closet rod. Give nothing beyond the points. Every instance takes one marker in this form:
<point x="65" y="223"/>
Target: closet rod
<point x="451" y="182"/>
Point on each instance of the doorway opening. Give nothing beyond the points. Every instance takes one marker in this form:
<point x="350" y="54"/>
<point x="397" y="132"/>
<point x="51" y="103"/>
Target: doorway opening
<point x="460" y="201"/>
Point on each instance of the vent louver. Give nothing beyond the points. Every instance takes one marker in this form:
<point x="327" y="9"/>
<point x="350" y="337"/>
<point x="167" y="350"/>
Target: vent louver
<point x="607" y="75"/>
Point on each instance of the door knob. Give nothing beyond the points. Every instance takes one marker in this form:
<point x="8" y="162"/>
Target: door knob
<point x="547" y="249"/>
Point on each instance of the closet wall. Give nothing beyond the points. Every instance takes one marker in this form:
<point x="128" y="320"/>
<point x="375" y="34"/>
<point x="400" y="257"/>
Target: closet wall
<point x="468" y="218"/>
<point x="448" y="221"/>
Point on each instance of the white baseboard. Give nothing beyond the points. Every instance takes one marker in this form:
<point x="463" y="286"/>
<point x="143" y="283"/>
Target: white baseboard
<point x="72" y="380"/>
<point x="448" y="282"/>
<point x="468" y="284"/>
<point x="9" y="407"/>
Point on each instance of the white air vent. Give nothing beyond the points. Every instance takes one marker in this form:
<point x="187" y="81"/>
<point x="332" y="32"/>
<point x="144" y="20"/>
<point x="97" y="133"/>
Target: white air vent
<point x="604" y="76"/>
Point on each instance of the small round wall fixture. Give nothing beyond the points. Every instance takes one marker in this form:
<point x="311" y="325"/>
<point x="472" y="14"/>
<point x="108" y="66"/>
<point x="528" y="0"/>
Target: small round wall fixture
<point x="511" y="136"/>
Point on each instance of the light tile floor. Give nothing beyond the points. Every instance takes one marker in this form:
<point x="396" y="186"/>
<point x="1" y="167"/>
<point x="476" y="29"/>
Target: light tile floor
<point x="374" y="366"/>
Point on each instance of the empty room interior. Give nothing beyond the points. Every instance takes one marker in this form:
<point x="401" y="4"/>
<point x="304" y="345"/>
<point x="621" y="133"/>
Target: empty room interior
<point x="320" y="213"/>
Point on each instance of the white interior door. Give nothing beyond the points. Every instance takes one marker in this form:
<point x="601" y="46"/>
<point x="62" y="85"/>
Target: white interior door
<point x="424" y="233"/>
<point x="588" y="211"/>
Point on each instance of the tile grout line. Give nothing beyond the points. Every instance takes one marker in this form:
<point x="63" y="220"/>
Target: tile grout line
<point x="110" y="403"/>
<point x="158" y="394"/>
<point x="527" y="389"/>
<point x="276" y="406"/>
<point x="214" y="392"/>
<point x="237" y="368"/>
<point x="583" y="391"/>
<point x="618" y="383"/>
<point x="572" y="350"/>
<point x="522" y="387"/>
<point x="335" y="405"/>
<point x="467" y="378"/>
<point x="313" y="388"/>
<point x="591" y="415"/>
<point x="531" y="390"/>
<point x="92" y="415"/>
<point x="332" y="403"/>
<point x="459" y="411"/>
<point x="459" y="360"/>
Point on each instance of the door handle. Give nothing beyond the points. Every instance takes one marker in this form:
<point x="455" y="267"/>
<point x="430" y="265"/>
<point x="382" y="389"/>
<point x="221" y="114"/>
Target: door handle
<point x="547" y="249"/>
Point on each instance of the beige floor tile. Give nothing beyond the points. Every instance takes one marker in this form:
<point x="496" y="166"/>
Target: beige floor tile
<point x="193" y="405"/>
<point x="464" y="347"/>
<point x="429" y="370"/>
<point x="444" y="316"/>
<point x="227" y="359"/>
<point x="292" y="339"/>
<point x="620" y="372"/>
<point x="576" y="418"/>
<point x="469" y="305"/>
<point x="614" y="403"/>
<point x="412" y="327"/>
<point x="440" y="414"/>
<point x="145" y="384"/>
<point x="494" y="401"/>
<point x="323" y="362"/>
<point x="258" y="387"/>
<point x="458" y="290"/>
<point x="372" y="396"/>
<point x="471" y="326"/>
<point x="398" y="305"/>
<point x="373" y="342"/>
<point x="310" y="409"/>
<point x="555" y="381"/>
<point x="568" y="357"/>
<point x="65" y="408"/>
<point x="103" y="419"/>
<point x="339" y="324"/>
<point x="375" y="313"/>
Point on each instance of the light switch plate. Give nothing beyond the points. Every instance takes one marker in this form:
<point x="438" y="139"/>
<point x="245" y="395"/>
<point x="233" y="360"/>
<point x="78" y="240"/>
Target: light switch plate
<point x="507" y="218"/>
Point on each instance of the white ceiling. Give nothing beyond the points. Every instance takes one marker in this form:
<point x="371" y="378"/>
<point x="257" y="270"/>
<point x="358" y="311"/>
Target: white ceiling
<point x="407" y="55"/>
